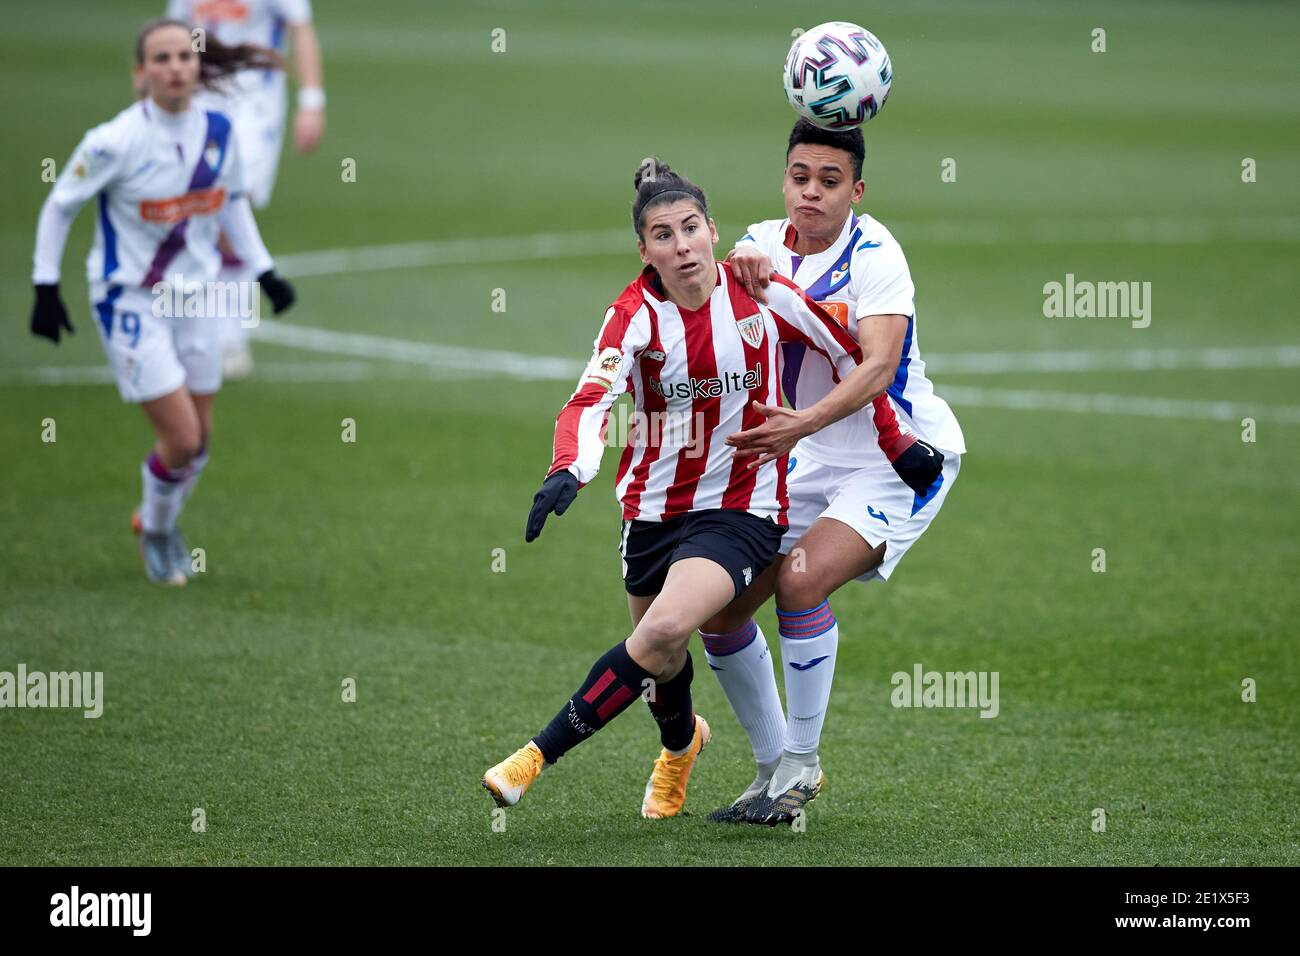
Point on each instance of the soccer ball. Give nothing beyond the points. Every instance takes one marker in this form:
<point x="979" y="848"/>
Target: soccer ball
<point x="837" y="75"/>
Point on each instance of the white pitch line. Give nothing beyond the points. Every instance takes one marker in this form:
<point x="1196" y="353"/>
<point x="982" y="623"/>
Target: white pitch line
<point x="1139" y="405"/>
<point x="280" y="372"/>
<point x="1115" y="360"/>
<point x="969" y="232"/>
<point x="457" y="252"/>
<point x="487" y="363"/>
<point x="490" y="362"/>
<point x="463" y="362"/>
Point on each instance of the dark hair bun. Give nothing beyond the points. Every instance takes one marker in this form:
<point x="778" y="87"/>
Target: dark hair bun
<point x="649" y="170"/>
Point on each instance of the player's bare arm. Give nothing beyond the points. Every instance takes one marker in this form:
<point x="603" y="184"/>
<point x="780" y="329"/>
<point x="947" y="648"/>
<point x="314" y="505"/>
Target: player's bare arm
<point x="309" y="124"/>
<point x="881" y="339"/>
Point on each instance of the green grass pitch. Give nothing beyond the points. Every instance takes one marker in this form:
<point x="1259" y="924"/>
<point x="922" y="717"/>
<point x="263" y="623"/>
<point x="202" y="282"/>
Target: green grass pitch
<point x="374" y="560"/>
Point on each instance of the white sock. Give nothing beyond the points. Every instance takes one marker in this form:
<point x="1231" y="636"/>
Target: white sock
<point x="808" y="643"/>
<point x="162" y="498"/>
<point x="743" y="665"/>
<point x="192" y="472"/>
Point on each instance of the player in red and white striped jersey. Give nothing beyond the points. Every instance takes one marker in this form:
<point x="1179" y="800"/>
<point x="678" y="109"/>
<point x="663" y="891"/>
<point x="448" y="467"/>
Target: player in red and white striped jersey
<point x="698" y="354"/>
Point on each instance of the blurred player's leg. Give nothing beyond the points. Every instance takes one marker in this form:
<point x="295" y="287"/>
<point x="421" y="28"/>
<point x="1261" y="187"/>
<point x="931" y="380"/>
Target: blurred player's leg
<point x="259" y="122"/>
<point x="164" y="476"/>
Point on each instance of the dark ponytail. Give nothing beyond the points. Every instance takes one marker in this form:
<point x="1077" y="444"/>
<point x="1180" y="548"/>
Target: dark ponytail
<point x="656" y="183"/>
<point x="217" y="61"/>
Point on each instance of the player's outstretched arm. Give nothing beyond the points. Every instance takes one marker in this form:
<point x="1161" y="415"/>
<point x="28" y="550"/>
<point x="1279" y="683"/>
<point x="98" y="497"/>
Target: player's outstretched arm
<point x="558" y="492"/>
<point x="580" y="425"/>
<point x="49" y="317"/>
<point x="241" y="231"/>
<point x="92" y="168"/>
<point x="309" y="123"/>
<point x="865" y="370"/>
<point x="880" y="338"/>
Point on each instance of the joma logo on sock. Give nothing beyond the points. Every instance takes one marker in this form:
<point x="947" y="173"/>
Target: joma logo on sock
<point x="102" y="909"/>
<point x="923" y="688"/>
<point x="78" y="690"/>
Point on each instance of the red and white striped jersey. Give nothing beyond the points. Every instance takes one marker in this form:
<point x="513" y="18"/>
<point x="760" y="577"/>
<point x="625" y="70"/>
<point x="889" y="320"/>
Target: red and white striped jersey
<point x="693" y="376"/>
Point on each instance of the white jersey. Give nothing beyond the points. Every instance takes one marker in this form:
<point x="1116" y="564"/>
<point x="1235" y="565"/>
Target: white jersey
<point x="694" y="377"/>
<point x="162" y="180"/>
<point x="264" y="23"/>
<point x="862" y="273"/>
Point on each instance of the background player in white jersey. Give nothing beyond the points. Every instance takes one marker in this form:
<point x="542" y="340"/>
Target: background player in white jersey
<point x="167" y="177"/>
<point x="696" y="352"/>
<point x="851" y="517"/>
<point x="256" y="100"/>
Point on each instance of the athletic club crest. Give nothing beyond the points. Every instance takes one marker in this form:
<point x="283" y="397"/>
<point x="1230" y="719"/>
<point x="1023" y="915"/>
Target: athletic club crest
<point x="751" y="329"/>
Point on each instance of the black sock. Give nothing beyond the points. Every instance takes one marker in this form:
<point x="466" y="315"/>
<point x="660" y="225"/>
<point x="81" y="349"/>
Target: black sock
<point x="670" y="705"/>
<point x="613" y="683"/>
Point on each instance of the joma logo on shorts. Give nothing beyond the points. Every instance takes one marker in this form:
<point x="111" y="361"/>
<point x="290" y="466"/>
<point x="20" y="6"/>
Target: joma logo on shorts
<point x="709" y="387"/>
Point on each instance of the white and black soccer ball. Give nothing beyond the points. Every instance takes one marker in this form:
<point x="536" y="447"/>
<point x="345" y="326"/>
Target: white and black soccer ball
<point x="837" y="75"/>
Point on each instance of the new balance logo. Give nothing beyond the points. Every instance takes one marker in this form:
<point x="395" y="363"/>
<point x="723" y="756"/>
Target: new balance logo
<point x="810" y="664"/>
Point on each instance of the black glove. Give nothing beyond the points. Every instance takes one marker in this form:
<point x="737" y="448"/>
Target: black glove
<point x="48" y="314"/>
<point x="558" y="492"/>
<point x="919" y="466"/>
<point x="277" y="290"/>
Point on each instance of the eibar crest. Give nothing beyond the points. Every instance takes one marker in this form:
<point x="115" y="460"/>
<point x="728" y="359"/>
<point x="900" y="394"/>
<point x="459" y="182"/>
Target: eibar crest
<point x="751" y="329"/>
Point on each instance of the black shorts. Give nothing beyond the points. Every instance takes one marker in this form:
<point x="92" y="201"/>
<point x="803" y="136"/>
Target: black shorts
<point x="742" y="543"/>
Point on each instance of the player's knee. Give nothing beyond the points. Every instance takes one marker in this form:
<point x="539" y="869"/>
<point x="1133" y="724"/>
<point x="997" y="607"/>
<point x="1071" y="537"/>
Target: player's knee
<point x="666" y="633"/>
<point x="184" y="445"/>
<point x="797" y="589"/>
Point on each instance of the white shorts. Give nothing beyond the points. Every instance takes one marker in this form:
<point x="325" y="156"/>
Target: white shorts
<point x="151" y="356"/>
<point x="872" y="500"/>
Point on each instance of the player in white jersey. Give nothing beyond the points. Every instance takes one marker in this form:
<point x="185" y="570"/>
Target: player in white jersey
<point x="697" y="353"/>
<point x="167" y="177"/>
<point x="256" y="100"/>
<point x="850" y="515"/>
